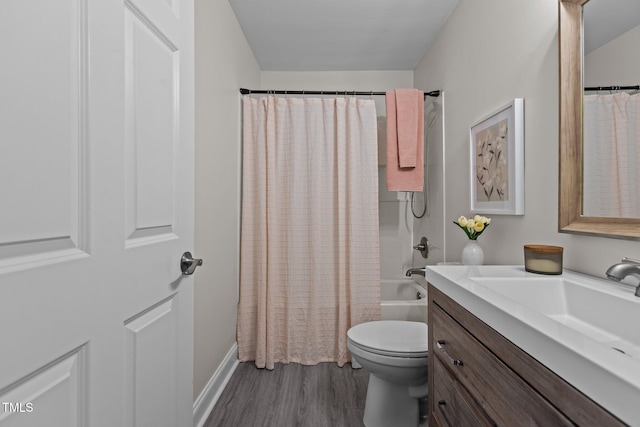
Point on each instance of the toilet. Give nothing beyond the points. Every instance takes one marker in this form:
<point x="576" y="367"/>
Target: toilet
<point x="395" y="354"/>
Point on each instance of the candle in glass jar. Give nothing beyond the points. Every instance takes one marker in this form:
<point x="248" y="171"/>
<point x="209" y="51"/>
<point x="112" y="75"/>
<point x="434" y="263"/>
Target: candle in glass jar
<point x="543" y="259"/>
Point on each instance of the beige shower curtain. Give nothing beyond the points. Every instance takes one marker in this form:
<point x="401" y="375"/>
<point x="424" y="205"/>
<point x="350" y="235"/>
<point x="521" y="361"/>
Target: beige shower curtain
<point x="309" y="266"/>
<point x="611" y="155"/>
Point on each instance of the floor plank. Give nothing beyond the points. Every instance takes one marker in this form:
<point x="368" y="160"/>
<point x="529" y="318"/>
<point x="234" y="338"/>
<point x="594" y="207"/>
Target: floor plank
<point x="323" y="395"/>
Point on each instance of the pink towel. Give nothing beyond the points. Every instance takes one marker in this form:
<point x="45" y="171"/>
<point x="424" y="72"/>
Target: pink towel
<point x="405" y="140"/>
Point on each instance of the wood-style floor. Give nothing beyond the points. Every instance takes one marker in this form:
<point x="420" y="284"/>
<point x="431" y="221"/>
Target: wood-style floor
<point x="292" y="395"/>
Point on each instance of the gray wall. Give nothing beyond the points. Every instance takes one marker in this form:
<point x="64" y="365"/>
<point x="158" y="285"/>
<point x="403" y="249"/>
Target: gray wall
<point x="224" y="63"/>
<point x="487" y="54"/>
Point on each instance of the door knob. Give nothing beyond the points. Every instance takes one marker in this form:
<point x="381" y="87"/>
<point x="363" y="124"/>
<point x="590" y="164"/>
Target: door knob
<point x="188" y="263"/>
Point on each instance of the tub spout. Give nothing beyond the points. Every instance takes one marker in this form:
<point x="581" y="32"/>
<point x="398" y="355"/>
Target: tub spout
<point x="418" y="271"/>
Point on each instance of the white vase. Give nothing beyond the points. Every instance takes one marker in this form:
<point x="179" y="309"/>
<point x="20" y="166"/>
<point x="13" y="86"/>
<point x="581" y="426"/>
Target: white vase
<point x="472" y="254"/>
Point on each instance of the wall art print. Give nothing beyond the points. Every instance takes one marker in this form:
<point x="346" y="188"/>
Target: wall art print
<point x="497" y="161"/>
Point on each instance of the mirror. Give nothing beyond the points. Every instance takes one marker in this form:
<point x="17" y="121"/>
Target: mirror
<point x="570" y="215"/>
<point x="611" y="116"/>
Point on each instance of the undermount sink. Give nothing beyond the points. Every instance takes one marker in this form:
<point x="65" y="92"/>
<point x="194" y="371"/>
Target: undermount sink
<point x="606" y="313"/>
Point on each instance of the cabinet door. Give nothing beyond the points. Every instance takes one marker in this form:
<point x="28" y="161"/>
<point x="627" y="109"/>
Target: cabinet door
<point x="506" y="398"/>
<point x="454" y="406"/>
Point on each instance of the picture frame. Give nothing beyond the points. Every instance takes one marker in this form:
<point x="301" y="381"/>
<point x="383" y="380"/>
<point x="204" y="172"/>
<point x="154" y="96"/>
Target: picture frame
<point x="497" y="161"/>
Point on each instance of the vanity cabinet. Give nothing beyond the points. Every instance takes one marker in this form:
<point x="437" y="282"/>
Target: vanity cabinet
<point x="478" y="377"/>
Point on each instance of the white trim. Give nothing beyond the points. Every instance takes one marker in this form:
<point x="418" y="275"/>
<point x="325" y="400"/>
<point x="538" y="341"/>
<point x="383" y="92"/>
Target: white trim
<point x="207" y="400"/>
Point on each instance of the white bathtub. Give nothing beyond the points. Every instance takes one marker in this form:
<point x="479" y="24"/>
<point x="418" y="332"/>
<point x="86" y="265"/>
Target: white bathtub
<point x="403" y="299"/>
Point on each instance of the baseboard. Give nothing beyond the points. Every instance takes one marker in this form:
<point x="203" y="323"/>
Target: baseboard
<point x="207" y="400"/>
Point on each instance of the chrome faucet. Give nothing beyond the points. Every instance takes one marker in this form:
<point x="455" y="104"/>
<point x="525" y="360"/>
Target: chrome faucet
<point x="418" y="271"/>
<point x="628" y="267"/>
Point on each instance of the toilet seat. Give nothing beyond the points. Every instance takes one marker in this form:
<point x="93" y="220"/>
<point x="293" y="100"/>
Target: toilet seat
<point x="396" y="338"/>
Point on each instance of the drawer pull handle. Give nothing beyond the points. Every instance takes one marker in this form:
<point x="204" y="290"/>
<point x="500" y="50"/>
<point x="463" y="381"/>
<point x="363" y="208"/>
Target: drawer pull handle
<point x="442" y="405"/>
<point x="440" y="344"/>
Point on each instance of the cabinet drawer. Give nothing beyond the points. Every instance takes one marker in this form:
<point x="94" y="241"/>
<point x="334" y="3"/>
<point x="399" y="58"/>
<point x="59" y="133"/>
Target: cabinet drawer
<point x="503" y="395"/>
<point x="453" y="404"/>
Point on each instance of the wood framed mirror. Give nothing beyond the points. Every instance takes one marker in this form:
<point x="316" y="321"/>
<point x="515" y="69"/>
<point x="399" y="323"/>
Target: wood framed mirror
<point x="570" y="217"/>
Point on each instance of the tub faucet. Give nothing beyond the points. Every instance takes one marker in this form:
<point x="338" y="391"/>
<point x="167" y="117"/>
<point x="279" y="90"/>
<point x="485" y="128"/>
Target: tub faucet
<point x="418" y="271"/>
<point x="627" y="267"/>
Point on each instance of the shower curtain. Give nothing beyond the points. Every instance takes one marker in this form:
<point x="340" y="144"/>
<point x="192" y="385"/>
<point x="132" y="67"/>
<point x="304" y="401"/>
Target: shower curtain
<point x="309" y="266"/>
<point x="611" y="155"/>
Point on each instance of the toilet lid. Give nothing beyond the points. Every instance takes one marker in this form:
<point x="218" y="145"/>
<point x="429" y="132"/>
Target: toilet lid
<point x="391" y="337"/>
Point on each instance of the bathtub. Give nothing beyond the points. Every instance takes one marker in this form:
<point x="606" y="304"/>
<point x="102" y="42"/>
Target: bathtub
<point x="403" y="299"/>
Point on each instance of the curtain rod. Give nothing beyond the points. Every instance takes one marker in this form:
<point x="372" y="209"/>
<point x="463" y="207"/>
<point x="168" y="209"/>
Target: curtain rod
<point x="433" y="93"/>
<point x="612" y="88"/>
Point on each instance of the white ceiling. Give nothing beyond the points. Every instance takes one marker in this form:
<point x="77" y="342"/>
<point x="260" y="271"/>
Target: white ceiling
<point x="344" y="35"/>
<point x="340" y="35"/>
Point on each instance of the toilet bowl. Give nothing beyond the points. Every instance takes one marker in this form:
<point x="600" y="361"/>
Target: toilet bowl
<point x="395" y="354"/>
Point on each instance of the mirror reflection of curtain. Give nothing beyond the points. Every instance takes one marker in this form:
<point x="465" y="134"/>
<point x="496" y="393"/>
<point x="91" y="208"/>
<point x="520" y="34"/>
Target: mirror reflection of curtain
<point x="310" y="256"/>
<point x="611" y="155"/>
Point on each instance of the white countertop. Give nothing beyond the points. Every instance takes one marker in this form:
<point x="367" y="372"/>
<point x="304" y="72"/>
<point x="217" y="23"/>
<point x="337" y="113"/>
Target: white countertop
<point x="608" y="377"/>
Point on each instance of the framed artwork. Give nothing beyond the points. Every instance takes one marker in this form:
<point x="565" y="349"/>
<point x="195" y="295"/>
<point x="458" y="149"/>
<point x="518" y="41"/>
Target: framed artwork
<point x="497" y="161"/>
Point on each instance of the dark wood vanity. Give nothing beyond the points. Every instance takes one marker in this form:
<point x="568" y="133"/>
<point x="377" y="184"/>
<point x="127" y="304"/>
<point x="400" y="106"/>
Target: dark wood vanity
<point x="478" y="377"/>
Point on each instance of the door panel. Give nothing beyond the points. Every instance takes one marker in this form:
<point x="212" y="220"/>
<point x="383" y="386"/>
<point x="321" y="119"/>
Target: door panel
<point x="53" y="395"/>
<point x="152" y="63"/>
<point x="151" y="359"/>
<point x="43" y="122"/>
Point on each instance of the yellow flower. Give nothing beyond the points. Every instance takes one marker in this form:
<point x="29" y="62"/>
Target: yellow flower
<point x="473" y="227"/>
<point x="471" y="224"/>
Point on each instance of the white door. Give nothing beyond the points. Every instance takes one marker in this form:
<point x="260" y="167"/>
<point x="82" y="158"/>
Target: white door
<point x="96" y="209"/>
